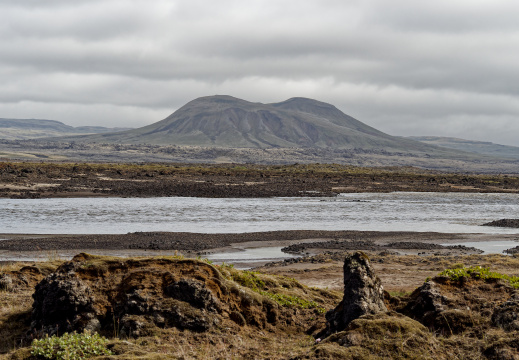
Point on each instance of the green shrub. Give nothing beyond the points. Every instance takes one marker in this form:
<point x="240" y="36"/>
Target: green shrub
<point x="70" y="346"/>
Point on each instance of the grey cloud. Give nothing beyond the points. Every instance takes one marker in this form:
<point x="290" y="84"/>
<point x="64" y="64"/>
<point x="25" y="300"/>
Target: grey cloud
<point x="444" y="16"/>
<point x="402" y="66"/>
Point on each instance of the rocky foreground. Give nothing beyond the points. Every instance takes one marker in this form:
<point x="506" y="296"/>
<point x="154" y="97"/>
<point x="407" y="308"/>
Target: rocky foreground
<point x="180" y="308"/>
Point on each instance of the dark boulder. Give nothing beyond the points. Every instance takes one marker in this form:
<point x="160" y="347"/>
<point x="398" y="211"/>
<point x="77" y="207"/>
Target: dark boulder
<point x="506" y="316"/>
<point x="63" y="303"/>
<point x="195" y="293"/>
<point x="363" y="294"/>
<point x="426" y="303"/>
<point x="138" y="299"/>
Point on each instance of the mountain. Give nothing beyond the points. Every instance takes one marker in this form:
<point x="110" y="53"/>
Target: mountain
<point x="22" y="129"/>
<point x="225" y="121"/>
<point x="478" y="147"/>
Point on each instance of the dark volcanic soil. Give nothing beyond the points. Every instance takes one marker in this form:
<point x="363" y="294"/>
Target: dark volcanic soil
<point x="356" y="240"/>
<point x="35" y="180"/>
<point x="176" y="241"/>
<point x="511" y="223"/>
<point x="372" y="246"/>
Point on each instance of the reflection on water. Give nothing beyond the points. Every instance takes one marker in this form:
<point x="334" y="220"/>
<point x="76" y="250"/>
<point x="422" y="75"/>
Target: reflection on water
<point x="440" y="212"/>
<point x="490" y="247"/>
<point x="270" y="253"/>
<point x="247" y="258"/>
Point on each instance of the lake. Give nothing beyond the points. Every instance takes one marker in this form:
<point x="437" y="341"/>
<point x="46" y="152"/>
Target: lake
<point x="399" y="211"/>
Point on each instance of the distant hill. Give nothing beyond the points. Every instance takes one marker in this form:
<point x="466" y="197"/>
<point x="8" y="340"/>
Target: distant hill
<point x="224" y="129"/>
<point x="22" y="129"/>
<point x="228" y="122"/>
<point x="478" y="147"/>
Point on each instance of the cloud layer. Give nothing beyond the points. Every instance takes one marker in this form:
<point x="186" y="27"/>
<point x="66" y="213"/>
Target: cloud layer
<point x="405" y="67"/>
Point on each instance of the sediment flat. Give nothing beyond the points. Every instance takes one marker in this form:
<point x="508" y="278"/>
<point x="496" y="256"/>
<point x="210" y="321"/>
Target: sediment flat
<point x="51" y="180"/>
<point x="202" y="242"/>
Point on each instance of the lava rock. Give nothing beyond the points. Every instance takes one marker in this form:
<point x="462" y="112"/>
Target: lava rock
<point x="63" y="303"/>
<point x="195" y="293"/>
<point x="363" y="294"/>
<point x="506" y="316"/>
<point x="426" y="303"/>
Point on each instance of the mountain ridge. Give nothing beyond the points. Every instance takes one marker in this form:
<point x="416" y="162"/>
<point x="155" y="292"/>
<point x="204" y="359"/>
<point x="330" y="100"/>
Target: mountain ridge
<point x="225" y="121"/>
<point x="22" y="129"/>
<point x="223" y="128"/>
<point x="478" y="147"/>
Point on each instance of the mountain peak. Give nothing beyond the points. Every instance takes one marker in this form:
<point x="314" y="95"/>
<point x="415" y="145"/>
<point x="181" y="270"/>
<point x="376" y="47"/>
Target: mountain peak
<point x="227" y="121"/>
<point x="302" y="101"/>
<point x="218" y="99"/>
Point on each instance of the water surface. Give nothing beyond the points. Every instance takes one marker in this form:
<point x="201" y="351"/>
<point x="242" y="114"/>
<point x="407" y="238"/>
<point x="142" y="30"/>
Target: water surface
<point x="401" y="211"/>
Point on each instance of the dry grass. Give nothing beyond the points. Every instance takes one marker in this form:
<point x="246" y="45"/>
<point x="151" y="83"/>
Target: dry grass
<point x="225" y="341"/>
<point x="16" y="302"/>
<point x="15" y="310"/>
<point x="385" y="337"/>
<point x="247" y="344"/>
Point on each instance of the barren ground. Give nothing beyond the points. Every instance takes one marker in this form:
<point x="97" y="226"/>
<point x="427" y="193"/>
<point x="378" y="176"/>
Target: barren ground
<point x="47" y="180"/>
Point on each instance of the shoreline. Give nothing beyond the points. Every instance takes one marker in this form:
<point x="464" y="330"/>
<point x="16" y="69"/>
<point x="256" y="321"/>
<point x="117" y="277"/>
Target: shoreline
<point x="206" y="241"/>
<point x="307" y="242"/>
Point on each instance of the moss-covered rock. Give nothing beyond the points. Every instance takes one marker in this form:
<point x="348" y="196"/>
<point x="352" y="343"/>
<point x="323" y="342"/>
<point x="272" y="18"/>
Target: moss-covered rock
<point x="387" y="335"/>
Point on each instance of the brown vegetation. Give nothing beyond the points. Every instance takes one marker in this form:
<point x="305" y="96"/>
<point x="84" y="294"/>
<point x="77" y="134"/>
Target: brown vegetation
<point x="174" y="306"/>
<point x="254" y="315"/>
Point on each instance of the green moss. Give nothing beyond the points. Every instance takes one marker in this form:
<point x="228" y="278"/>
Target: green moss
<point x="252" y="280"/>
<point x="478" y="272"/>
<point x="382" y="336"/>
<point x="400" y="293"/>
<point x="249" y="279"/>
<point x="292" y="301"/>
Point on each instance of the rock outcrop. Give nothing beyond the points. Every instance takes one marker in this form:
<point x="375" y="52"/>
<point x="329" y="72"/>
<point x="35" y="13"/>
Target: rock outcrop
<point x="136" y="296"/>
<point x="386" y="335"/>
<point x="426" y="303"/>
<point x="363" y="294"/>
<point x="506" y="315"/>
<point x="27" y="276"/>
<point x="64" y="303"/>
<point x="451" y="307"/>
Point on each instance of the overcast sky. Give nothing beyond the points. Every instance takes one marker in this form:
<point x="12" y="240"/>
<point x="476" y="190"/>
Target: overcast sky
<point x="406" y="67"/>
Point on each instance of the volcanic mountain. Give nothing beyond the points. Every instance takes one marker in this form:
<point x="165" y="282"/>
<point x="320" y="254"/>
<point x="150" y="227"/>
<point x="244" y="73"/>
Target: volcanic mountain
<point x="225" y="121"/>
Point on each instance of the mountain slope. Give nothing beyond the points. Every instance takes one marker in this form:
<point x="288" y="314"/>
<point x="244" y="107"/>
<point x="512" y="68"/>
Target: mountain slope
<point x="21" y="129"/>
<point x="478" y="147"/>
<point x="225" y="121"/>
